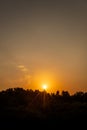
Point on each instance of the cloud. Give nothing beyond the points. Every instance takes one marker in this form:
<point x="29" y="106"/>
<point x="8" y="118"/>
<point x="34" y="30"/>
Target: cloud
<point x="22" y="68"/>
<point x="26" y="77"/>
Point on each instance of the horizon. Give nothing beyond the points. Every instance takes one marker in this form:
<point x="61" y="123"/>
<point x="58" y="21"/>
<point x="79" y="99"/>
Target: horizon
<point x="45" y="90"/>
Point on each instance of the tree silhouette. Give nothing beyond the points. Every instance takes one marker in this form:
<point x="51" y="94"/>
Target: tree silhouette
<point x="18" y="104"/>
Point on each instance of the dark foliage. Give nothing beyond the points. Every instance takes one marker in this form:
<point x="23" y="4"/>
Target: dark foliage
<point x="24" y="107"/>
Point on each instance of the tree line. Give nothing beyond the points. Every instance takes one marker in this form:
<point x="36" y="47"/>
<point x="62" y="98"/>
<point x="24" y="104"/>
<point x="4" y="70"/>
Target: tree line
<point x="27" y="105"/>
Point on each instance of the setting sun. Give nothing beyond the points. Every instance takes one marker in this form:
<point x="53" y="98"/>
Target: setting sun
<point x="44" y="86"/>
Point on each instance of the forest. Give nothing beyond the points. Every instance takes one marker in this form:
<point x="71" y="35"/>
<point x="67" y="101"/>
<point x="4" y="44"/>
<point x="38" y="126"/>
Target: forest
<point x="24" y="107"/>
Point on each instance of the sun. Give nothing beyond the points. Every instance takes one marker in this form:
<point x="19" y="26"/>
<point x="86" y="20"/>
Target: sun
<point x="44" y="86"/>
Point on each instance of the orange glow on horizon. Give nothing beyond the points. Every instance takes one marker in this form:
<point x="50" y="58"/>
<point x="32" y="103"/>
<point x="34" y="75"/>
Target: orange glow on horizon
<point x="44" y="86"/>
<point x="45" y="80"/>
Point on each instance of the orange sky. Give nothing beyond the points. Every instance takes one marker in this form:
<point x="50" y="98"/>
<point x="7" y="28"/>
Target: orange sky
<point x="43" y="42"/>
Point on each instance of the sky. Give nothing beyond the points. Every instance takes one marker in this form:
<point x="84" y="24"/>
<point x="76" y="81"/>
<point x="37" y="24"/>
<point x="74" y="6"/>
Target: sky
<point x="43" y="42"/>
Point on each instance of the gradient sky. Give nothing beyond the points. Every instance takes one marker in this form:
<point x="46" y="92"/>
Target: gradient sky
<point x="43" y="41"/>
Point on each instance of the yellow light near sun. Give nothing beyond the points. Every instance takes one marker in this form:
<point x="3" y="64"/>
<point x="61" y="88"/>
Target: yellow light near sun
<point x="44" y="81"/>
<point x="44" y="86"/>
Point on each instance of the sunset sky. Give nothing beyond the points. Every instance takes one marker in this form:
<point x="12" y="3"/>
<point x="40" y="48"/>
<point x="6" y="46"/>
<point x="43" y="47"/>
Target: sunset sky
<point x="43" y="42"/>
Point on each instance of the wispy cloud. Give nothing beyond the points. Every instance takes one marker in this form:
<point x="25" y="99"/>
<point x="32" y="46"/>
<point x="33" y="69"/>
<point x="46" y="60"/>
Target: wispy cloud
<point x="22" y="68"/>
<point x="25" y="79"/>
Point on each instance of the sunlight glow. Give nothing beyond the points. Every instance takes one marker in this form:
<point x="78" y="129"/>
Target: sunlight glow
<point x="44" y="86"/>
